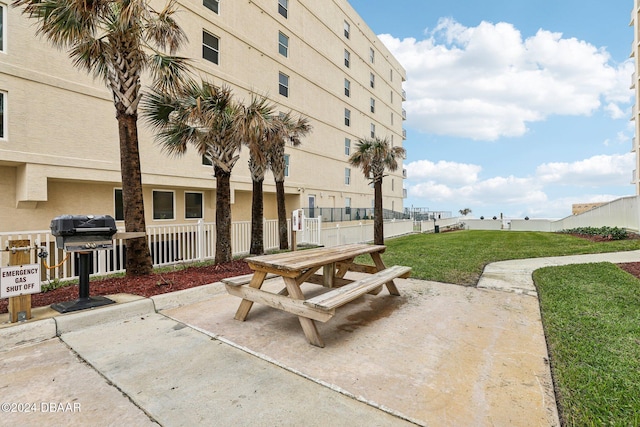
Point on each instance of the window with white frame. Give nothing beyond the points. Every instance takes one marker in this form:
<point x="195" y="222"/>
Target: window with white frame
<point x="372" y="80"/>
<point x="347" y="147"/>
<point x="373" y="105"/>
<point x="347" y="176"/>
<point x="373" y="130"/>
<point x="118" y="204"/>
<point x="214" y="5"/>
<point x="3" y="32"/>
<point x="372" y="55"/>
<point x="283" y="8"/>
<point x="193" y="205"/>
<point x="347" y="117"/>
<point x="283" y="84"/>
<point x="347" y="29"/>
<point x="347" y="87"/>
<point x="163" y="206"/>
<point x="347" y="205"/>
<point x="210" y="47"/>
<point x="347" y="58"/>
<point x="283" y="44"/>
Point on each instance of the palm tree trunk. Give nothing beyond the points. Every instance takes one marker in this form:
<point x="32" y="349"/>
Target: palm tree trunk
<point x="283" y="229"/>
<point x="138" y="258"/>
<point x="223" y="216"/>
<point x="257" y="222"/>
<point x="378" y="231"/>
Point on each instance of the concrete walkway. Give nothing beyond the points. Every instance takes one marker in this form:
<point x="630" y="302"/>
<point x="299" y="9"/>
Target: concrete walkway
<point x="439" y="355"/>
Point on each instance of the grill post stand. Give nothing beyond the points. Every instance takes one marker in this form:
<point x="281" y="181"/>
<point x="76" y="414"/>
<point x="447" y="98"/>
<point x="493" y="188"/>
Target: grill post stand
<point x="84" y="300"/>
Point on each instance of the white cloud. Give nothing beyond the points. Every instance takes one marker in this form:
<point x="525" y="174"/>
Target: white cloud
<point x="597" y="171"/>
<point x="452" y="173"/>
<point x="458" y="184"/>
<point x="486" y="82"/>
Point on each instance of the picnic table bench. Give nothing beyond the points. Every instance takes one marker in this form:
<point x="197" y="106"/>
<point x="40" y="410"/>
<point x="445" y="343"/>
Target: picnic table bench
<point x="300" y="267"/>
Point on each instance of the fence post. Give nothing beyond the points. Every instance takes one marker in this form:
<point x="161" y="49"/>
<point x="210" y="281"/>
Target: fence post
<point x="200" y="237"/>
<point x="22" y="303"/>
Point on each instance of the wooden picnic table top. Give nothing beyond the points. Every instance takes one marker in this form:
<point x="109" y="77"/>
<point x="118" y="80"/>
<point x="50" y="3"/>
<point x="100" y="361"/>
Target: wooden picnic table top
<point x="299" y="261"/>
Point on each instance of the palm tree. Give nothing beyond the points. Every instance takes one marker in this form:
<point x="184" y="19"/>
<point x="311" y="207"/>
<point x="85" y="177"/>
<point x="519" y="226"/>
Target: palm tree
<point x="255" y="125"/>
<point x="117" y="40"/>
<point x="290" y="130"/>
<point x="207" y="117"/>
<point x="373" y="156"/>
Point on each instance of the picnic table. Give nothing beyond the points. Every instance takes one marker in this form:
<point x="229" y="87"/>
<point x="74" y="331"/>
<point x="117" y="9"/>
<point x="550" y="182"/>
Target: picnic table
<point x="303" y="266"/>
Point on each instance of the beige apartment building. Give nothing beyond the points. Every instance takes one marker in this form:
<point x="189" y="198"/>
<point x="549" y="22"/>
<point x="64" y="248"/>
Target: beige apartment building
<point x="59" y="139"/>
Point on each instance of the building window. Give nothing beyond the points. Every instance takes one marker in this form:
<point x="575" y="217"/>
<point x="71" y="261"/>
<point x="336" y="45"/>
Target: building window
<point x="391" y="75"/>
<point x="3" y="116"/>
<point x="286" y="165"/>
<point x="283" y="45"/>
<point x="3" y="14"/>
<point x="347" y="87"/>
<point x="283" y="8"/>
<point x="373" y="130"/>
<point x="347" y="117"/>
<point x="347" y="176"/>
<point x="373" y="105"/>
<point x="118" y="205"/>
<point x="391" y="119"/>
<point x="392" y="97"/>
<point x="193" y="205"/>
<point x="372" y="55"/>
<point x="212" y="4"/>
<point x="392" y="184"/>
<point x="347" y="147"/>
<point x="210" y="47"/>
<point x="347" y="29"/>
<point x="163" y="205"/>
<point x="206" y="161"/>
<point x="372" y="80"/>
<point x="347" y="205"/>
<point x="283" y="84"/>
<point x="347" y="58"/>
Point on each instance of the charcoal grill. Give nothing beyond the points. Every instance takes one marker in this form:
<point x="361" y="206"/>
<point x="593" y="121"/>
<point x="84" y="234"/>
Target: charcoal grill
<point x="82" y="235"/>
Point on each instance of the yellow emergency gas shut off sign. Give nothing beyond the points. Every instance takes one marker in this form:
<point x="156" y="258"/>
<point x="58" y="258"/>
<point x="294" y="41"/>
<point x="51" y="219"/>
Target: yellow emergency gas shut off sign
<point x="19" y="280"/>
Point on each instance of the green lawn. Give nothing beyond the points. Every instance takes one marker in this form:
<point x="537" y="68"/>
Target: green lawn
<point x="591" y="313"/>
<point x="591" y="318"/>
<point x="459" y="257"/>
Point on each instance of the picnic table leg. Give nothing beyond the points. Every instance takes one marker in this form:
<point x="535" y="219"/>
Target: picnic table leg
<point x="245" y="306"/>
<point x="308" y="325"/>
<point x="393" y="290"/>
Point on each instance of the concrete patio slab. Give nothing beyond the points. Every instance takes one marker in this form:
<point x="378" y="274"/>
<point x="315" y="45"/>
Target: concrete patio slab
<point x="440" y="354"/>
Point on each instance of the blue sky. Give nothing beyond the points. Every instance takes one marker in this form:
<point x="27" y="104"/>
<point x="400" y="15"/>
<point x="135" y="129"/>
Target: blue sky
<point x="513" y="107"/>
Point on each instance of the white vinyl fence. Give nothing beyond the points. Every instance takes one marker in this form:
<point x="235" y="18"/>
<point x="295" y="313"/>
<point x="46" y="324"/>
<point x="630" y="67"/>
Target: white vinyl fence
<point x="172" y="244"/>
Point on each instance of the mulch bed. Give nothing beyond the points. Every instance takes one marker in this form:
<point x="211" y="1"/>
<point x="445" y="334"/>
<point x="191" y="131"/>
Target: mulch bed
<point x="146" y="286"/>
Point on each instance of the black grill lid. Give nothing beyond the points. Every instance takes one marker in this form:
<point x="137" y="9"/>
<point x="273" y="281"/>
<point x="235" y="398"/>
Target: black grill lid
<point x="69" y="225"/>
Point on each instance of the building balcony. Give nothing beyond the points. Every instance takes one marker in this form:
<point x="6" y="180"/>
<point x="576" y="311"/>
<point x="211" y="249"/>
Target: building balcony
<point x="404" y="95"/>
<point x="404" y="114"/>
<point x="404" y="173"/>
<point x="404" y="134"/>
<point x="634" y="176"/>
<point x="634" y="79"/>
<point x="634" y="112"/>
<point x="404" y="193"/>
